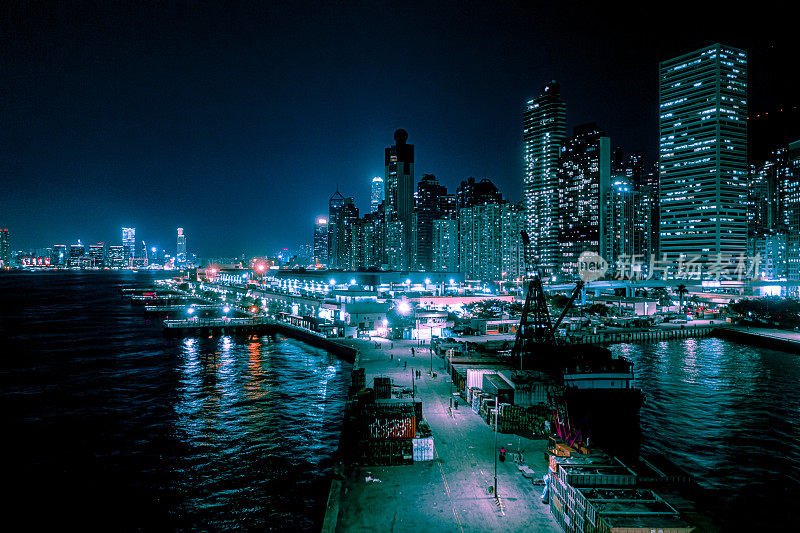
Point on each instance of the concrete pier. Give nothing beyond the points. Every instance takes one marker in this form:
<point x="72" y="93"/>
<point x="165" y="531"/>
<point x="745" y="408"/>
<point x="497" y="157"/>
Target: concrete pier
<point x="450" y="493"/>
<point x="776" y="339"/>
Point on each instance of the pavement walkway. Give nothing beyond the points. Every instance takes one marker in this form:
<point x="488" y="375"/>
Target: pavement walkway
<point x="450" y="493"/>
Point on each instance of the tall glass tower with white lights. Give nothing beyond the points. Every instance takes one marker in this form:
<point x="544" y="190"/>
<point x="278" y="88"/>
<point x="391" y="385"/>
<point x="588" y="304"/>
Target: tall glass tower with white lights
<point x="376" y="194"/>
<point x="544" y="127"/>
<point x="703" y="154"/>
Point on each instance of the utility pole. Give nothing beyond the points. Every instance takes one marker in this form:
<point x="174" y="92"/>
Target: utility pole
<point x="496" y="497"/>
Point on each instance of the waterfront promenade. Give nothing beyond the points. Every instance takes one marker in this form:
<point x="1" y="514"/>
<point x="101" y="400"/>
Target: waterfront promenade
<point x="451" y="492"/>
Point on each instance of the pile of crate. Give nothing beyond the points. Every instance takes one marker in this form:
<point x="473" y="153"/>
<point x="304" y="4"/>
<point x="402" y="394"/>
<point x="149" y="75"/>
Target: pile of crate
<point x="599" y="494"/>
<point x="513" y="418"/>
<point x="383" y="430"/>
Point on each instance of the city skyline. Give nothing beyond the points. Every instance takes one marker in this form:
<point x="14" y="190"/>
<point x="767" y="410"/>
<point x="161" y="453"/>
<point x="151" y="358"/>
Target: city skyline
<point x="114" y="129"/>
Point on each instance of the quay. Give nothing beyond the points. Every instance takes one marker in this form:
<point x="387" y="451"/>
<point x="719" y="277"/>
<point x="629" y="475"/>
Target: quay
<point x="218" y="326"/>
<point x="255" y="325"/>
<point x="776" y="339"/>
<point x="449" y="493"/>
<point x="179" y="308"/>
<point x="644" y="335"/>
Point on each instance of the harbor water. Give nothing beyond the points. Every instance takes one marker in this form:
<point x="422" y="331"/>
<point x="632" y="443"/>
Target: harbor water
<point x="729" y="414"/>
<point x="110" y="425"/>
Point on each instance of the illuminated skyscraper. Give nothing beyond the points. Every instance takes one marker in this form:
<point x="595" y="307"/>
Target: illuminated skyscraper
<point x="5" y="249"/>
<point x="335" y="228"/>
<point x="128" y="245"/>
<point x="428" y="208"/>
<point x="180" y="256"/>
<point x="376" y="194"/>
<point x="444" y="246"/>
<point x="584" y="175"/>
<point x="399" y="201"/>
<point x="789" y="209"/>
<point x="97" y="253"/>
<point x="76" y="255"/>
<point x="703" y="154"/>
<point x="619" y="224"/>
<point x="116" y="256"/>
<point x="544" y="127"/>
<point x="321" y="241"/>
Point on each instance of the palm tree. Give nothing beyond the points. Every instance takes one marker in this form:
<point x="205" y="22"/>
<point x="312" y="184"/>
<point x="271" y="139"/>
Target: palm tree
<point x="681" y="290"/>
<point x="661" y="294"/>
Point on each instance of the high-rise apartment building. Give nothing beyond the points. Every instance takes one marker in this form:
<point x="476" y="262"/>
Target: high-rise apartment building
<point x="180" y="255"/>
<point x="471" y="192"/>
<point x="128" y="245"/>
<point x="583" y="178"/>
<point x="789" y="209"/>
<point x="544" y="128"/>
<point x="376" y="194"/>
<point x="444" y="245"/>
<point x="490" y="242"/>
<point x="428" y="208"/>
<point x="399" y="201"/>
<point x="703" y="154"/>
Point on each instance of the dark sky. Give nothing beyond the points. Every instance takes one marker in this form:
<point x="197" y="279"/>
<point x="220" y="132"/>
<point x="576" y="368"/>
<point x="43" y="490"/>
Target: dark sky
<point x="237" y="120"/>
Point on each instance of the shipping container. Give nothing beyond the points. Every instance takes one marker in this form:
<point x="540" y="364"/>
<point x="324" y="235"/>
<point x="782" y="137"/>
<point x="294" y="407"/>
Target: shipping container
<point x="386" y="452"/>
<point x="596" y="475"/>
<point x="530" y="386"/>
<point x="497" y="387"/>
<point x="383" y="387"/>
<point x="475" y="376"/>
<point x="423" y="449"/>
<point x="459" y="376"/>
<point x="391" y="428"/>
<point x="359" y="379"/>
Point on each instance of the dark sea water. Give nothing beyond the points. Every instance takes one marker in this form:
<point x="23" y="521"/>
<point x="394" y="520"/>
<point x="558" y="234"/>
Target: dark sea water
<point x="729" y="414"/>
<point x="108" y="425"/>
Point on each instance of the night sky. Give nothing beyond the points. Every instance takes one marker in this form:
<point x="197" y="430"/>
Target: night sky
<point x="238" y="120"/>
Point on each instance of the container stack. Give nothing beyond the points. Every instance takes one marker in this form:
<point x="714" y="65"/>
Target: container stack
<point x="599" y="494"/>
<point x="486" y="409"/>
<point x="495" y="386"/>
<point x="530" y="387"/>
<point x="514" y="418"/>
<point x="383" y="388"/>
<point x="358" y="380"/>
<point x="383" y="430"/>
<point x="476" y="400"/>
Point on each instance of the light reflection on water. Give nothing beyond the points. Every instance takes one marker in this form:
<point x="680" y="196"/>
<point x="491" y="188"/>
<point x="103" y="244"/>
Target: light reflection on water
<point x="118" y="428"/>
<point x="247" y="402"/>
<point x="730" y="415"/>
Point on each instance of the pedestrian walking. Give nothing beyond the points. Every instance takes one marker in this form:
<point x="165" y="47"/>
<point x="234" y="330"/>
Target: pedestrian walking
<point x="412" y="351"/>
<point x="391" y="355"/>
<point x="405" y="364"/>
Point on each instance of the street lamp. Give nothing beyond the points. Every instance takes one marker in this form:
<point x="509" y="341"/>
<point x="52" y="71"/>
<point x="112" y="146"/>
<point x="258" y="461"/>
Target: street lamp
<point x="495" y="450"/>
